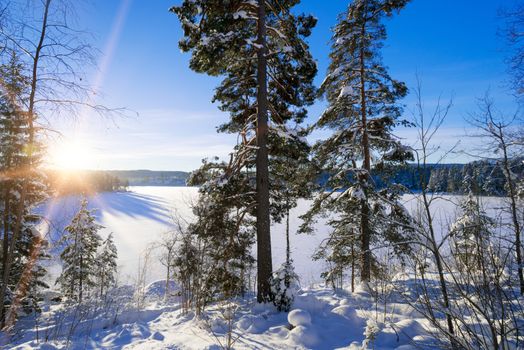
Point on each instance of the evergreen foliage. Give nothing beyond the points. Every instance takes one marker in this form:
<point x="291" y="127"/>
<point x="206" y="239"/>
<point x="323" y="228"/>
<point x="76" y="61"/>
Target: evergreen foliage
<point x="81" y="242"/>
<point x="471" y="232"/>
<point x="21" y="190"/>
<point x="106" y="265"/>
<point x="285" y="285"/>
<point x="224" y="40"/>
<point x="362" y="111"/>
<point x="224" y="226"/>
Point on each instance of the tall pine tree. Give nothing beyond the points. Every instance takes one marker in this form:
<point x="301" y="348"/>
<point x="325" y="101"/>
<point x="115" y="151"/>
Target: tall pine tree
<point x="362" y="111"/>
<point x="259" y="50"/>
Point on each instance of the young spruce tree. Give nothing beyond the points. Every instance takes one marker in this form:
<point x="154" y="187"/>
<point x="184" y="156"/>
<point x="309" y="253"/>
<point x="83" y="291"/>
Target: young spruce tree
<point x="106" y="265"/>
<point x="471" y="232"/>
<point x="79" y="257"/>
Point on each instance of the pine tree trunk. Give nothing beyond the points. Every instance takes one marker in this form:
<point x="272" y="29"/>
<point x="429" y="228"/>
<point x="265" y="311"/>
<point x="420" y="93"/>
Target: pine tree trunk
<point x="288" y="247"/>
<point x="264" y="259"/>
<point x="81" y="280"/>
<point x="352" y="266"/>
<point x="10" y="257"/>
<point x="5" y="219"/>
<point x="24" y="281"/>
<point x="102" y="282"/>
<point x="287" y="277"/>
<point x="5" y="247"/>
<point x="365" y="269"/>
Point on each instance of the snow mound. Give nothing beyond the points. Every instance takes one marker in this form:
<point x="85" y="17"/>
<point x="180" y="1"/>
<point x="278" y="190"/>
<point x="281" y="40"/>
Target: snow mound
<point x="305" y="336"/>
<point x="405" y="309"/>
<point x="279" y="331"/>
<point x="399" y="333"/>
<point x="349" y="313"/>
<point x="254" y="324"/>
<point x="299" y="317"/>
<point x="157" y="289"/>
<point x="344" y="302"/>
<point x="411" y="328"/>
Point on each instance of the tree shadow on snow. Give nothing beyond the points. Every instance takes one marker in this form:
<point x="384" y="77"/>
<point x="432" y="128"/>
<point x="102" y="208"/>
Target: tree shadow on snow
<point x="133" y="205"/>
<point x="58" y="212"/>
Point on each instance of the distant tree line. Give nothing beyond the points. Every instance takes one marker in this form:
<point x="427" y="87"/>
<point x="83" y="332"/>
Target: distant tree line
<point x="64" y="182"/>
<point x="151" y="177"/>
<point x="483" y="177"/>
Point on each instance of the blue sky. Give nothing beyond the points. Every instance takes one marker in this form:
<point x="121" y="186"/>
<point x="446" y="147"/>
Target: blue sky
<point x="452" y="45"/>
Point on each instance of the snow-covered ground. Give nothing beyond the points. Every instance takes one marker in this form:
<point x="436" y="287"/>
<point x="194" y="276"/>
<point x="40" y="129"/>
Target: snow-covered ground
<point x="321" y="319"/>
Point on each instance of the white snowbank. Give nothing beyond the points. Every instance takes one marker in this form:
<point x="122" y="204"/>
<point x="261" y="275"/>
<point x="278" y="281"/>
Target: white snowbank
<point x="305" y="336"/>
<point x="299" y="318"/>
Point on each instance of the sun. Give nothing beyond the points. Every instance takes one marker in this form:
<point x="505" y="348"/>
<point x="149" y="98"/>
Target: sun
<point x="71" y="155"/>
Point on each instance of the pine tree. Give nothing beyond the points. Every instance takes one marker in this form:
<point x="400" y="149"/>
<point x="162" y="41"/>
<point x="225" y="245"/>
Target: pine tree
<point x="107" y="265"/>
<point x="341" y="252"/>
<point x="191" y="266"/>
<point x="471" y="233"/>
<point x="224" y="227"/>
<point x="268" y="71"/>
<point x="285" y="286"/>
<point x="21" y="189"/>
<point x="79" y="257"/>
<point x="362" y="111"/>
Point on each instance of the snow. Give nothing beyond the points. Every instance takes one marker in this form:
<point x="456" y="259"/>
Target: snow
<point x="305" y="336"/>
<point x="345" y="91"/>
<point x="319" y="318"/>
<point x="241" y="14"/>
<point x="299" y="317"/>
<point x="347" y="312"/>
<point x="157" y="289"/>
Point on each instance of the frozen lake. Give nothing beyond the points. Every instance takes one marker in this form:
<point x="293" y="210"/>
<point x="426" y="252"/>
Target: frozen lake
<point x="139" y="217"/>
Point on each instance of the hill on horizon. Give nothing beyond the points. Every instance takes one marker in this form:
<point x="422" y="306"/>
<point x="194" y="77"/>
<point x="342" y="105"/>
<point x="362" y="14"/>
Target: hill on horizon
<point x="144" y="177"/>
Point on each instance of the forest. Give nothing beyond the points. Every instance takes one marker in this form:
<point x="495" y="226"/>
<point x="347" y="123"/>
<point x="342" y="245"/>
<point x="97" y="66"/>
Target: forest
<point x="321" y="228"/>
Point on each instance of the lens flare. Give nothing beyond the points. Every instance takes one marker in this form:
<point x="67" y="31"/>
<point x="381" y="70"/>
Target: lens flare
<point x="71" y="156"/>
